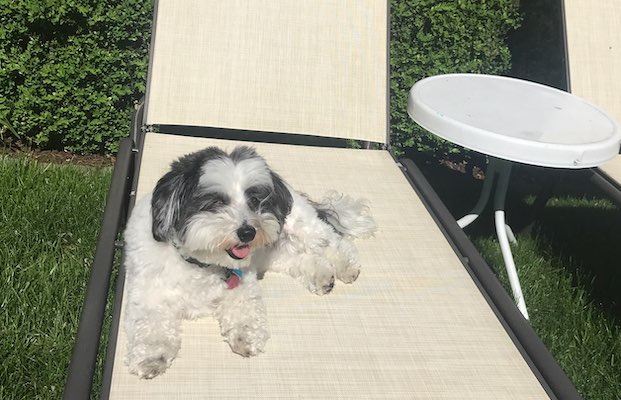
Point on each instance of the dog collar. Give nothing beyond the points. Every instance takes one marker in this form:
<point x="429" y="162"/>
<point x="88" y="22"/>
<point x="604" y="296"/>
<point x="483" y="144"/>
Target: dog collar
<point x="232" y="277"/>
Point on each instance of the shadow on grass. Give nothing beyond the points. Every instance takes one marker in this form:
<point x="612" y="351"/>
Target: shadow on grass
<point x="587" y="241"/>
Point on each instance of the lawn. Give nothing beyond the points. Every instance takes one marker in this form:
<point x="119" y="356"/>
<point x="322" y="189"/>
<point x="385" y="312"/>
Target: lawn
<point x="50" y="217"/>
<point x="583" y="339"/>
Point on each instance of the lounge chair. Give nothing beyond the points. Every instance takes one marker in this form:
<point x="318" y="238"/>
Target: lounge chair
<point x="593" y="47"/>
<point x="297" y="80"/>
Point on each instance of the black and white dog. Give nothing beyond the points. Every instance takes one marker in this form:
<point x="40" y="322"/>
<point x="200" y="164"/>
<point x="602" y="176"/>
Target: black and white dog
<point x="212" y="225"/>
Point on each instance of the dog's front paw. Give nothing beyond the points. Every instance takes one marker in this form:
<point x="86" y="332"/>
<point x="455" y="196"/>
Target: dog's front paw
<point x="349" y="275"/>
<point x="247" y="341"/>
<point x="320" y="283"/>
<point x="148" y="360"/>
<point x="150" y="367"/>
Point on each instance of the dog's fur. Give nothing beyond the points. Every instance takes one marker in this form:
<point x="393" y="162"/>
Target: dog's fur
<point x="215" y="212"/>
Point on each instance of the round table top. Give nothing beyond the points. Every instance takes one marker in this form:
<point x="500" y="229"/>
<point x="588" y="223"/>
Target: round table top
<point x="515" y="120"/>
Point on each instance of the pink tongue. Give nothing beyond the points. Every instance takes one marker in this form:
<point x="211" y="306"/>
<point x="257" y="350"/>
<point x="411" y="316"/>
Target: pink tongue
<point x="240" y="251"/>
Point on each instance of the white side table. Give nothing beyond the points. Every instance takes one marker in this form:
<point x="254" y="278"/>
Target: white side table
<point x="512" y="120"/>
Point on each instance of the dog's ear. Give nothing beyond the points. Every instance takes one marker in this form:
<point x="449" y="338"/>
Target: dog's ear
<point x="166" y="203"/>
<point x="174" y="190"/>
<point x="281" y="202"/>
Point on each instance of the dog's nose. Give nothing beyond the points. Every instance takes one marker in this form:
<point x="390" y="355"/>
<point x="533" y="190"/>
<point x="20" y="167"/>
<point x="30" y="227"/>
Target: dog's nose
<point x="246" y="233"/>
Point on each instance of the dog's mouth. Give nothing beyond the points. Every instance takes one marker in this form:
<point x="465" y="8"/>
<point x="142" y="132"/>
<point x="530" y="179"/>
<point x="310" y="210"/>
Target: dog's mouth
<point x="239" y="252"/>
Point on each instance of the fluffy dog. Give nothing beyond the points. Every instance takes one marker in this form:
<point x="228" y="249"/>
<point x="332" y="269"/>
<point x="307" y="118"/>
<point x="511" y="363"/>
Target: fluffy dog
<point x="213" y="224"/>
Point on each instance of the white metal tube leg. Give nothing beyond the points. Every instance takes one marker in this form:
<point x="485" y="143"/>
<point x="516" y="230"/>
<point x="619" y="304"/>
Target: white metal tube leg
<point x="483" y="198"/>
<point x="504" y="172"/>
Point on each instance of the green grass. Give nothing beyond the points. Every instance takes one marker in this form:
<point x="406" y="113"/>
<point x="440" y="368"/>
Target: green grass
<point x="49" y="221"/>
<point x="583" y="338"/>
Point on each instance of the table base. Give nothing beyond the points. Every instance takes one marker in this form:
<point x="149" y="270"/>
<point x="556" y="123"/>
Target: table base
<point x="499" y="171"/>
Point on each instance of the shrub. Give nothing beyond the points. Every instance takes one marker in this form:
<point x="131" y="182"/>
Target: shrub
<point x="430" y="37"/>
<point x="71" y="70"/>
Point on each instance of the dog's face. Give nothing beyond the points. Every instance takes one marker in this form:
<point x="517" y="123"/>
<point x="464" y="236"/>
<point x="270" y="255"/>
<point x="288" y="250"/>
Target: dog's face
<point x="218" y="208"/>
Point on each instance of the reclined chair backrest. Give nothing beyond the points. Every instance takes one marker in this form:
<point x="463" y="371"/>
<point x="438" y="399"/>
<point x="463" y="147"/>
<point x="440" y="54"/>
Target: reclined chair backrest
<point x="276" y="66"/>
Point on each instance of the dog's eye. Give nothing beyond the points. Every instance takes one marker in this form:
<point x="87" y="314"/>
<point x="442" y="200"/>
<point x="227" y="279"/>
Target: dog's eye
<point x="214" y="203"/>
<point x="254" y="202"/>
<point x="255" y="196"/>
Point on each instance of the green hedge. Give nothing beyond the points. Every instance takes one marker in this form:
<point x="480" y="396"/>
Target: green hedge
<point x="70" y="70"/>
<point x="430" y="37"/>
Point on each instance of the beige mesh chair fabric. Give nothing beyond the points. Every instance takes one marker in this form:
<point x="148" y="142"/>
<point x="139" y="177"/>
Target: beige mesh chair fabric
<point x="594" y="56"/>
<point x="413" y="325"/>
<point x="303" y="67"/>
<point x="613" y="169"/>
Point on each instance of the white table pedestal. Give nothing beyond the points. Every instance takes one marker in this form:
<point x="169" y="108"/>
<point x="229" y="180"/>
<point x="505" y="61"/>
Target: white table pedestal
<point x="498" y="172"/>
